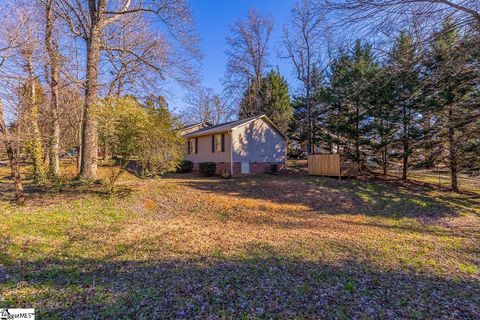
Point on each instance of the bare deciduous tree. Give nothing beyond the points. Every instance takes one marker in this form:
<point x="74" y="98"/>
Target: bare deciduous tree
<point x="203" y="105"/>
<point x="27" y="53"/>
<point x="247" y="54"/>
<point x="90" y="22"/>
<point x="51" y="45"/>
<point x="140" y="57"/>
<point x="303" y="42"/>
<point x="394" y="15"/>
<point x="8" y="141"/>
<point x="8" y="41"/>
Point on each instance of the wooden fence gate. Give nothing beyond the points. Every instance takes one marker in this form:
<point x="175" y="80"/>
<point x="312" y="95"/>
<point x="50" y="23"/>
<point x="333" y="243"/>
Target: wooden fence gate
<point x="331" y="165"/>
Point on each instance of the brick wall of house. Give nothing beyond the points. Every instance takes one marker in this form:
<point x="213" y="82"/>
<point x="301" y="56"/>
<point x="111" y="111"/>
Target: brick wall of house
<point x="219" y="169"/>
<point x="255" y="167"/>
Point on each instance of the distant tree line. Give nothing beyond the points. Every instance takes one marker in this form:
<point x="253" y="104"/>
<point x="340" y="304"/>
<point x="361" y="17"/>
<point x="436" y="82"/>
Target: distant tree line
<point x="416" y="107"/>
<point x="413" y="102"/>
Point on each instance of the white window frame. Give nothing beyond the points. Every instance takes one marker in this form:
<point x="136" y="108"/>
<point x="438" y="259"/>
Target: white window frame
<point x="192" y="146"/>
<point x="218" y="143"/>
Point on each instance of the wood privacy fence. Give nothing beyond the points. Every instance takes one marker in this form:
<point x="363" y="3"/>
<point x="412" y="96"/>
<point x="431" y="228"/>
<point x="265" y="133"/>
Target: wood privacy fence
<point x="331" y="165"/>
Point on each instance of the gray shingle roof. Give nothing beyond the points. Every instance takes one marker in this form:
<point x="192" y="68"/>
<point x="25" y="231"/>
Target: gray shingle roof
<point x="224" y="127"/>
<point x="219" y="127"/>
<point x="195" y="124"/>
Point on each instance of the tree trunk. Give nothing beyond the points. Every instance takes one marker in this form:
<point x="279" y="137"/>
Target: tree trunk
<point x="428" y="145"/>
<point x="314" y="132"/>
<point x="46" y="159"/>
<point x="12" y="159"/>
<point x="385" y="148"/>
<point x="452" y="153"/>
<point x="384" y="160"/>
<point x="35" y="144"/>
<point x="89" y="158"/>
<point x="357" y="133"/>
<point x="54" y="152"/>
<point x="406" y="145"/>
<point x="106" y="151"/>
<point x="52" y="49"/>
<point x="79" y="144"/>
<point x="405" y="160"/>
<point x="309" y="120"/>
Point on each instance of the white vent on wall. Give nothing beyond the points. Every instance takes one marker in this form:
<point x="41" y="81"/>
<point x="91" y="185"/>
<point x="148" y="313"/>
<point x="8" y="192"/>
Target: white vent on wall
<point x="245" y="168"/>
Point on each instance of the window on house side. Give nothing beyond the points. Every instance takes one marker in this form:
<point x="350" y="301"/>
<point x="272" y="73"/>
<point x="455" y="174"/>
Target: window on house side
<point x="192" y="146"/>
<point x="218" y="143"/>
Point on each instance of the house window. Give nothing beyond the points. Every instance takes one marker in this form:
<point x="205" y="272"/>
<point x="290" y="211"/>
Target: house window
<point x="218" y="143"/>
<point x="193" y="146"/>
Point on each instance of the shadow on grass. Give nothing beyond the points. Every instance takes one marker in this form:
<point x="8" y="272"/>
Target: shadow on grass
<point x="258" y="286"/>
<point x="61" y="190"/>
<point x="333" y="196"/>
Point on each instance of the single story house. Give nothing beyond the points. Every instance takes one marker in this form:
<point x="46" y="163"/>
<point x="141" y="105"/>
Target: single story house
<point x="246" y="146"/>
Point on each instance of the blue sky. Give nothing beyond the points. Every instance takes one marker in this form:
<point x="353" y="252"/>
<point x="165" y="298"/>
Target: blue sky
<point x="213" y="19"/>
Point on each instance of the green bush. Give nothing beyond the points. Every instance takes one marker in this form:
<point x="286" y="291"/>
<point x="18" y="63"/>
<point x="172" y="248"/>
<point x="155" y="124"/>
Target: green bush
<point x="185" y="166"/>
<point x="208" y="169"/>
<point x="127" y="127"/>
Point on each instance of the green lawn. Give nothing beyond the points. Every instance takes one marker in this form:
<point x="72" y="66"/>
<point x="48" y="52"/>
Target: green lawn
<point x="288" y="246"/>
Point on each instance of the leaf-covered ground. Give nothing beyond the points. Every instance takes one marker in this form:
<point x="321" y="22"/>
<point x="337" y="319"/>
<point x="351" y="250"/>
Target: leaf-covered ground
<point x="288" y="246"/>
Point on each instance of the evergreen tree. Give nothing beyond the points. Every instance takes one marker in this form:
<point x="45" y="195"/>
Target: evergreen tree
<point x="348" y="98"/>
<point x="403" y="69"/>
<point x="272" y="99"/>
<point x="318" y="109"/>
<point x="453" y="83"/>
<point x="335" y="95"/>
<point x="275" y="101"/>
<point x="297" y="131"/>
<point x="250" y="105"/>
<point x="383" y="119"/>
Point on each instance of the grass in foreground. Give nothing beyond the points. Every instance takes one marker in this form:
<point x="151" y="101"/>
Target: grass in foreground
<point x="283" y="246"/>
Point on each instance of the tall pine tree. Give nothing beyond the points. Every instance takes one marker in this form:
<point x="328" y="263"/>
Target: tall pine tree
<point x="272" y="99"/>
<point x="275" y="100"/>
<point x="403" y="69"/>
<point x="350" y="82"/>
<point x="453" y="83"/>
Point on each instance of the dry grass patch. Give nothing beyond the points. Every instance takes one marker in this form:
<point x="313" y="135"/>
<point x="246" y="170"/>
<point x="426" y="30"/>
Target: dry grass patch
<point x="284" y="246"/>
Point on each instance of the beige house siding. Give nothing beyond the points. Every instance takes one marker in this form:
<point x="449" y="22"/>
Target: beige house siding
<point x="205" y="150"/>
<point x="258" y="142"/>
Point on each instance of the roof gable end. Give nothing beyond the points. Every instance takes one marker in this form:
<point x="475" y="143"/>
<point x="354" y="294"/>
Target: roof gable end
<point x="267" y="121"/>
<point x="229" y="126"/>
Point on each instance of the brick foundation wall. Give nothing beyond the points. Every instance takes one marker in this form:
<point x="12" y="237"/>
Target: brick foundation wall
<point x="255" y="167"/>
<point x="222" y="166"/>
<point x="219" y="168"/>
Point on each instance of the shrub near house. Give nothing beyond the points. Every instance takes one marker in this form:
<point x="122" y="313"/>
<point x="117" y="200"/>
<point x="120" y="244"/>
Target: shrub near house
<point x="208" y="169"/>
<point x="185" y="167"/>
<point x="126" y="128"/>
